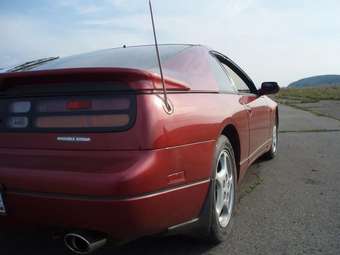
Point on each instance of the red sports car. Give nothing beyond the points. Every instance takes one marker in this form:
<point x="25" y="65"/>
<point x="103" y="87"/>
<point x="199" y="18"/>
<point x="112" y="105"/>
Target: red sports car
<point x="89" y="146"/>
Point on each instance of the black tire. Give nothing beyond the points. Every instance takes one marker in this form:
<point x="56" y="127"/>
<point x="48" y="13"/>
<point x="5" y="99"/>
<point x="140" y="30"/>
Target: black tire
<point x="212" y="231"/>
<point x="273" y="148"/>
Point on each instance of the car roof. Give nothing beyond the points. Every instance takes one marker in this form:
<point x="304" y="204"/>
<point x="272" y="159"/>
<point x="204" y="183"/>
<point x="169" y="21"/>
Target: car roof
<point x="187" y="63"/>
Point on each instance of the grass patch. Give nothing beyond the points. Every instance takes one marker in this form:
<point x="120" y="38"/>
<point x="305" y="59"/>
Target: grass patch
<point x="307" y="95"/>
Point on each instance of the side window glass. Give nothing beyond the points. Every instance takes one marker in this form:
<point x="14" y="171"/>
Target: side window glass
<point x="224" y="82"/>
<point x="239" y="83"/>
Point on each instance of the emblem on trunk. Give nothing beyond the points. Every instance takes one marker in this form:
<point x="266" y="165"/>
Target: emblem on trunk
<point x="73" y="139"/>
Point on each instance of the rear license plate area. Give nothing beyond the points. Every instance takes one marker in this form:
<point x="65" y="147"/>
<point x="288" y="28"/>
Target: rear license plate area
<point x="2" y="205"/>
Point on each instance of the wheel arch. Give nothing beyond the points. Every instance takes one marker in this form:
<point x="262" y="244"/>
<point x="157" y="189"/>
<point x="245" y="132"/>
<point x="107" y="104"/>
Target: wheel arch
<point x="232" y="134"/>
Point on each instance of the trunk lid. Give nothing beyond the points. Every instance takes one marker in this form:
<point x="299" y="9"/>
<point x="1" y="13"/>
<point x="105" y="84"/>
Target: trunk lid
<point x="75" y="109"/>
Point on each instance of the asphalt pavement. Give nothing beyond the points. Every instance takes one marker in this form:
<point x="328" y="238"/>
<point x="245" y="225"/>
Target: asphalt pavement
<point x="289" y="205"/>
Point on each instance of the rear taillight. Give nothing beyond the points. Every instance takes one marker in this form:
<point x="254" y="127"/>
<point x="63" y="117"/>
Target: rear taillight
<point x="17" y="122"/>
<point x="20" y="107"/>
<point x="83" y="121"/>
<point x="74" y="114"/>
<point x="66" y="105"/>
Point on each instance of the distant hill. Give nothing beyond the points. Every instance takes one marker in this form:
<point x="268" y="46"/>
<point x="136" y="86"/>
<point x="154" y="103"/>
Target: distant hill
<point x="317" y="81"/>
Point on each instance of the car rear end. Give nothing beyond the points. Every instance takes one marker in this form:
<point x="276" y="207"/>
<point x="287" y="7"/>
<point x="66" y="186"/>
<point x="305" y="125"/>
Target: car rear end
<point x="79" y="149"/>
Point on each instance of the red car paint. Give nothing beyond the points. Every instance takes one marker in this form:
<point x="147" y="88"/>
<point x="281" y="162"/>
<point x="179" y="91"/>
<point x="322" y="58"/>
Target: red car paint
<point x="141" y="181"/>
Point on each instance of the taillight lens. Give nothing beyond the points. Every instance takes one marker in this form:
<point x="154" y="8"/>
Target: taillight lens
<point x="72" y="114"/>
<point x="17" y="122"/>
<point x="104" y="104"/>
<point x="20" y="107"/>
<point x="83" y="121"/>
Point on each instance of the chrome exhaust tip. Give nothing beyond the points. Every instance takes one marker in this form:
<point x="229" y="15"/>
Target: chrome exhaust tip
<point x="84" y="243"/>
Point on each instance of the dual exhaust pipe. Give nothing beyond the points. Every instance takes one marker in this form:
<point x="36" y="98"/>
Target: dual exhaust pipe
<point x="84" y="242"/>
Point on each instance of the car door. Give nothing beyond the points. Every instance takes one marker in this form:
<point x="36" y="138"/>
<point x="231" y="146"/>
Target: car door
<point x="256" y="106"/>
<point x="231" y="105"/>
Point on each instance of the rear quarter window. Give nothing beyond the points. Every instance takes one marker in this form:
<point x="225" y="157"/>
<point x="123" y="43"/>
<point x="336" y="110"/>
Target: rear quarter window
<point x="237" y="80"/>
<point x="225" y="84"/>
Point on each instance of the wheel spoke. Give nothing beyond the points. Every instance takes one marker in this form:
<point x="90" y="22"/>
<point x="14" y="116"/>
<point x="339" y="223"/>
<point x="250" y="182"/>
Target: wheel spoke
<point x="274" y="137"/>
<point x="221" y="176"/>
<point x="219" y="202"/>
<point x="219" y="209"/>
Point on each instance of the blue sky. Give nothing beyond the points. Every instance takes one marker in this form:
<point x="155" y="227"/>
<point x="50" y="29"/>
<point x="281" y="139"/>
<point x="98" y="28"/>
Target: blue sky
<point x="271" y="40"/>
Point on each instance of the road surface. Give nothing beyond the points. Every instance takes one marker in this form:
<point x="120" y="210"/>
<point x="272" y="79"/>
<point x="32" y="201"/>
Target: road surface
<point x="290" y="205"/>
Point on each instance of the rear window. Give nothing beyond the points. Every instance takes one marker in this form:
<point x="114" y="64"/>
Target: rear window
<point x="140" y="57"/>
<point x="222" y="79"/>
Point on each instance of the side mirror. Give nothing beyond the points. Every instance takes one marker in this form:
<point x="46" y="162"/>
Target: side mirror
<point x="269" y="88"/>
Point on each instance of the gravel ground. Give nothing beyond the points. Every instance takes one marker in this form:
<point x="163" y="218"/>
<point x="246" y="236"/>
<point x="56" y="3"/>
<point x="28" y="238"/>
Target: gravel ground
<point x="329" y="108"/>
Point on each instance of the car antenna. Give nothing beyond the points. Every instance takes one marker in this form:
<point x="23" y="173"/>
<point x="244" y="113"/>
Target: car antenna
<point x="168" y="107"/>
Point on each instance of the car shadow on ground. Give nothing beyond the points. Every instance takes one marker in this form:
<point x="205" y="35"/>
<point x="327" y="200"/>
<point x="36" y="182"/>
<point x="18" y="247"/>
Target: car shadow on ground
<point x="38" y="244"/>
<point x="179" y="244"/>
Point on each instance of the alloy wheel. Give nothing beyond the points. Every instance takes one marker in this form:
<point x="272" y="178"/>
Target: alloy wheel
<point x="224" y="189"/>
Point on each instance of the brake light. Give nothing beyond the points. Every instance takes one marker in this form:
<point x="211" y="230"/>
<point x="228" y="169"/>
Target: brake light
<point x="78" y="105"/>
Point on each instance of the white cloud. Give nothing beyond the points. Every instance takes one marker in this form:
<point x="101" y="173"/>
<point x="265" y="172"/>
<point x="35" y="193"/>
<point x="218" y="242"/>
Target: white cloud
<point x="81" y="7"/>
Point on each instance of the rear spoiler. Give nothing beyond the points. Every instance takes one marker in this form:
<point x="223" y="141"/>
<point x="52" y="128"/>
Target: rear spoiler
<point x="114" y="78"/>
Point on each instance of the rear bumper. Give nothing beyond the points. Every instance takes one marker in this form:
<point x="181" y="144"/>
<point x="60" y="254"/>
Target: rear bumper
<point x="125" y="194"/>
<point x="122" y="219"/>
